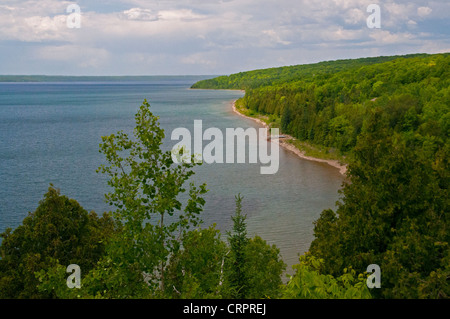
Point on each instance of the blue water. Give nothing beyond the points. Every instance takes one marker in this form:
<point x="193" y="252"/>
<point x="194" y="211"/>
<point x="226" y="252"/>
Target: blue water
<point x="50" y="133"/>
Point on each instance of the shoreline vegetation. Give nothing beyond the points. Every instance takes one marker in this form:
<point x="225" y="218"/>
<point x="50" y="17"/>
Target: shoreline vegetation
<point x="181" y="259"/>
<point x="291" y="144"/>
<point x="391" y="120"/>
<point x="388" y="118"/>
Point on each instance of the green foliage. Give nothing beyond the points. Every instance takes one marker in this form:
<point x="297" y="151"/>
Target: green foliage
<point x="153" y="257"/>
<point x="287" y="74"/>
<point x="327" y="103"/>
<point x="203" y="267"/>
<point x="253" y="268"/>
<point x="152" y="222"/>
<point x="238" y="241"/>
<point x="394" y="212"/>
<point x="389" y="117"/>
<point x="197" y="271"/>
<point x="108" y="280"/>
<point x="147" y="185"/>
<point x="308" y="282"/>
<point x="264" y="267"/>
<point x="59" y="233"/>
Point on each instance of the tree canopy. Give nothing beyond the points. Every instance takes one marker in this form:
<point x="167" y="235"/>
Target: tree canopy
<point x="58" y="232"/>
<point x="389" y="117"/>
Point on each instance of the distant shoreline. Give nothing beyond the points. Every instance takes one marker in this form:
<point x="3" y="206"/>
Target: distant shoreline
<point x="283" y="143"/>
<point x="92" y="78"/>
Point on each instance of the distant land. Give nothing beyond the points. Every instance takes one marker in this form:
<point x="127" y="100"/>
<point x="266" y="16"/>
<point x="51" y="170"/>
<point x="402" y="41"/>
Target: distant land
<point x="63" y="78"/>
<point x="294" y="73"/>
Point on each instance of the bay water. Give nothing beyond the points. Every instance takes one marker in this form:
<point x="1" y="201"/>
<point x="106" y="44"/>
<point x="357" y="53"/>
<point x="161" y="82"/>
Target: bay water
<point x="50" y="133"/>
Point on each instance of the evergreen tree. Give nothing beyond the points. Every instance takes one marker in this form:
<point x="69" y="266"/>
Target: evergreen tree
<point x="58" y="233"/>
<point x="238" y="241"/>
<point x="254" y="268"/>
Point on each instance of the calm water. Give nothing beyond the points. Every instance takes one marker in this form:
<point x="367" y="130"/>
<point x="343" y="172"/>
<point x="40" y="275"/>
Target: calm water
<point x="50" y="133"/>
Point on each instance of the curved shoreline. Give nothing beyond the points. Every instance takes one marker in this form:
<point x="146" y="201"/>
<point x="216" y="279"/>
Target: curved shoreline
<point x="282" y="142"/>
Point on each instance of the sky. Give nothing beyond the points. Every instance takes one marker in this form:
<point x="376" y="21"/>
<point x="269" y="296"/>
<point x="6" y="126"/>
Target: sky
<point x="209" y="37"/>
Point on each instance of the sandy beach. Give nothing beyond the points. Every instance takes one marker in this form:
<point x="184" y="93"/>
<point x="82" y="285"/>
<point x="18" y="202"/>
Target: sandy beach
<point x="283" y="143"/>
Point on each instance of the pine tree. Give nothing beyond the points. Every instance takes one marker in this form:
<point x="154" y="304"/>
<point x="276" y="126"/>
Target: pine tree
<point x="238" y="241"/>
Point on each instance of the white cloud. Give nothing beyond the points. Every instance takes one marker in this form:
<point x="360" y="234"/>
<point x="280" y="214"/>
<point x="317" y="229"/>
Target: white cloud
<point x="140" y="14"/>
<point x="36" y="7"/>
<point x="274" y="37"/>
<point x="423" y="11"/>
<point x="387" y="37"/>
<point x="33" y="28"/>
<point x="181" y="15"/>
<point x="355" y="16"/>
<point x="213" y="34"/>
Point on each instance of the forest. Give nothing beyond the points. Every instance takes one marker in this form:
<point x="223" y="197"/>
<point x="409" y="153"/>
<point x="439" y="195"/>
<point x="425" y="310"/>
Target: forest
<point x="388" y="117"/>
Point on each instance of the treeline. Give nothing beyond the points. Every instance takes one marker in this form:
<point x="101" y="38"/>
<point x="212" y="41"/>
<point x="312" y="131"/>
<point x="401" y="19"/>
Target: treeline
<point x="327" y="103"/>
<point x="391" y="120"/>
<point x="152" y="245"/>
<point x="282" y="75"/>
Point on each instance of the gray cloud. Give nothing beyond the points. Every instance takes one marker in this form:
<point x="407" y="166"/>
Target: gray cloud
<point x="215" y="37"/>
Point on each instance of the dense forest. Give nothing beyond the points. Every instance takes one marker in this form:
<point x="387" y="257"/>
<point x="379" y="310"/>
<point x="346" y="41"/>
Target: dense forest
<point x="283" y="75"/>
<point x="327" y="103"/>
<point x="390" y="118"/>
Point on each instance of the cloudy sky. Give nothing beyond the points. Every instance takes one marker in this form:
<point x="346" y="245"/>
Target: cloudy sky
<point x="142" y="37"/>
